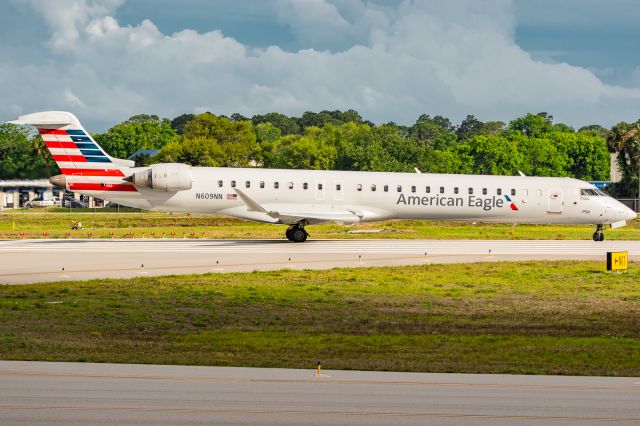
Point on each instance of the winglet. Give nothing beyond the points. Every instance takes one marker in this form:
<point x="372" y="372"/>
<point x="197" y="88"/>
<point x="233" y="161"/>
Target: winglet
<point x="521" y="174"/>
<point x="417" y="170"/>
<point x="252" y="205"/>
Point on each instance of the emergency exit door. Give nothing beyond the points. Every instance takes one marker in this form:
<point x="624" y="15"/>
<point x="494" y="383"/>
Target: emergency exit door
<point x="555" y="201"/>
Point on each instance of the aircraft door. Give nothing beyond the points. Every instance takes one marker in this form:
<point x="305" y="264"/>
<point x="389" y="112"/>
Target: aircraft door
<point x="555" y="201"/>
<point x="320" y="188"/>
<point x="337" y="190"/>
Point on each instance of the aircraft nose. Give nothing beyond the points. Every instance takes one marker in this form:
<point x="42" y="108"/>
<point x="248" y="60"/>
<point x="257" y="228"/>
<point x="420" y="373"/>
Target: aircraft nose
<point x="630" y="214"/>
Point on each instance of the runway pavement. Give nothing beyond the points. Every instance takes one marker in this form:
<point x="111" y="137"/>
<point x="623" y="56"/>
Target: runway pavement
<point x="81" y="393"/>
<point x="28" y="261"/>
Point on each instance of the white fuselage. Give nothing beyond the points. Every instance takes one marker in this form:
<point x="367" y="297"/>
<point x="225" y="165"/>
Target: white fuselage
<point x="374" y="196"/>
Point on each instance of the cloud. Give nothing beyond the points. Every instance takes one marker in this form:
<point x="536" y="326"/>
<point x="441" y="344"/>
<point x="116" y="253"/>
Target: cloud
<point x="67" y="18"/>
<point x="72" y="99"/>
<point x="449" y="58"/>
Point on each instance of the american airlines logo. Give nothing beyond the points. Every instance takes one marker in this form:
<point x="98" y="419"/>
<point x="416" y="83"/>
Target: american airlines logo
<point x="512" y="204"/>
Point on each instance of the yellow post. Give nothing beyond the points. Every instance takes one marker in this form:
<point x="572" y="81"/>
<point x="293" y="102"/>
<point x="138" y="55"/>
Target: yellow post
<point x="13" y="225"/>
<point x="319" y="367"/>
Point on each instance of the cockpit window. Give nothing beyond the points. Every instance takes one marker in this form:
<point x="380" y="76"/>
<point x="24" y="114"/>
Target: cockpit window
<point x="602" y="193"/>
<point x="589" y="192"/>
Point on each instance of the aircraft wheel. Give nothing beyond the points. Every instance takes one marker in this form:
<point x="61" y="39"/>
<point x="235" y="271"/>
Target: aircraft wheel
<point x="289" y="234"/>
<point x="601" y="238"/>
<point x="298" y="235"/>
<point x="598" y="236"/>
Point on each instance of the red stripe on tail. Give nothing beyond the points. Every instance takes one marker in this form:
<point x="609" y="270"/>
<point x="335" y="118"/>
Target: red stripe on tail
<point x="56" y="144"/>
<point x="102" y="187"/>
<point x="52" y="132"/>
<point x="92" y="172"/>
<point x="74" y="158"/>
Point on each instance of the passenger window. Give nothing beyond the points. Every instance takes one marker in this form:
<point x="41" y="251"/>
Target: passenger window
<point x="442" y="189"/>
<point x="359" y="187"/>
<point x="499" y="191"/>
<point x="386" y="188"/>
<point x="290" y="185"/>
<point x="276" y="185"/>
<point x="455" y="190"/>
<point x="373" y="188"/>
<point x="399" y="188"/>
<point x="428" y="189"/>
<point x="338" y="187"/>
<point x="220" y="184"/>
<point x="470" y="190"/>
<point x="484" y="191"/>
<point x="305" y="185"/>
<point x="261" y="184"/>
<point x="513" y="192"/>
<point x="233" y="183"/>
<point x="319" y="186"/>
<point x="247" y="184"/>
<point x="413" y="189"/>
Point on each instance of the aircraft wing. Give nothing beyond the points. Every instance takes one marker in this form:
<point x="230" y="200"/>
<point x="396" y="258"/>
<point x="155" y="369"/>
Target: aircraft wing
<point x="292" y="216"/>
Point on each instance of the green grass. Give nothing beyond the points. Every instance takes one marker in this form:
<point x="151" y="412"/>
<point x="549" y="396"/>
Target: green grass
<point x="158" y="225"/>
<point x="528" y="317"/>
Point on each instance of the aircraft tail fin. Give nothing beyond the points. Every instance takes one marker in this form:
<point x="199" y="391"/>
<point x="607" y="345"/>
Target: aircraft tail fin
<point x="74" y="150"/>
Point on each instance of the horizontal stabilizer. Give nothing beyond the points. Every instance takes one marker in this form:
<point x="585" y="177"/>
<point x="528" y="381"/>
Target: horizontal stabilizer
<point x="47" y="119"/>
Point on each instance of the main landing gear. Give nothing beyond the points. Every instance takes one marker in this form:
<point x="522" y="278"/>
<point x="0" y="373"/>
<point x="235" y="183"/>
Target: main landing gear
<point x="598" y="235"/>
<point x="296" y="233"/>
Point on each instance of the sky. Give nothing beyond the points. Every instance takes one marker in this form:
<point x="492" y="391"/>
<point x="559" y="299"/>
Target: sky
<point x="106" y="60"/>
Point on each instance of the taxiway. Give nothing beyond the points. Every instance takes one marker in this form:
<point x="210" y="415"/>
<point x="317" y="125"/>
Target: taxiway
<point x="82" y="393"/>
<point x="29" y="261"/>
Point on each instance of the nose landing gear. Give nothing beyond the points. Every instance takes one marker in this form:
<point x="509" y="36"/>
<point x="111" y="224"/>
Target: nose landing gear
<point x="296" y="233"/>
<point x="598" y="235"/>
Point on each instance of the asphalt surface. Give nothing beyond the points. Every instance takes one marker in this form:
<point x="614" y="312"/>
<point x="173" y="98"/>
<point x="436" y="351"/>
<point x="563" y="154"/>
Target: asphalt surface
<point x="81" y="393"/>
<point x="29" y="261"/>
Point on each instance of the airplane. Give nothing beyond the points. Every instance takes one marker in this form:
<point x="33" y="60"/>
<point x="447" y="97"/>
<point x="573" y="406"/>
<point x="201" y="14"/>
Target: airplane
<point x="300" y="198"/>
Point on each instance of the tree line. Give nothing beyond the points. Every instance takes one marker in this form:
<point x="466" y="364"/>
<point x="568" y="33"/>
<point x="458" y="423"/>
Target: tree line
<point x="343" y="140"/>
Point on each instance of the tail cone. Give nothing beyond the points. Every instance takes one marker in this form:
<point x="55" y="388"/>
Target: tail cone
<point x="59" y="180"/>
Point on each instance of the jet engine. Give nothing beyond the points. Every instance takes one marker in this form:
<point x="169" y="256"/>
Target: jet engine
<point x="164" y="177"/>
